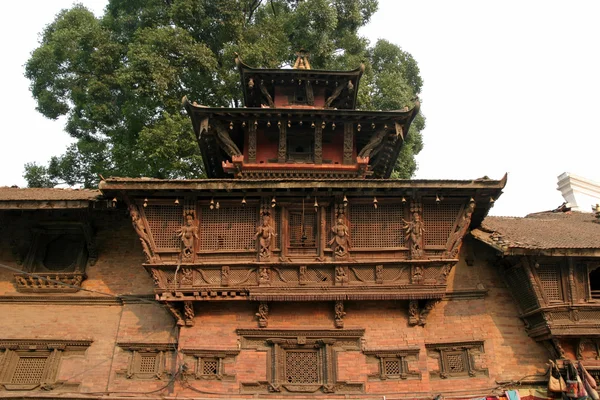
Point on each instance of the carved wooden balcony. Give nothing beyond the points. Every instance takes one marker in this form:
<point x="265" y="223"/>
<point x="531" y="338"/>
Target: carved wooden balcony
<point x="56" y="282"/>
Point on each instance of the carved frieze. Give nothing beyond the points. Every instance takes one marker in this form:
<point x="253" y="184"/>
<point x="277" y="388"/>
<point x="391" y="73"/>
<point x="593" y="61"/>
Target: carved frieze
<point x="63" y="282"/>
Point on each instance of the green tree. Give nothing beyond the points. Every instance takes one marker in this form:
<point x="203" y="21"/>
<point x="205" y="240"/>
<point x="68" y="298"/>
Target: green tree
<point x="119" y="78"/>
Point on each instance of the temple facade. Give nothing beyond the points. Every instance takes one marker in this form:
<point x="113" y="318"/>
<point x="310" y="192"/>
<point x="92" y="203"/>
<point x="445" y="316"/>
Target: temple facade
<point x="297" y="269"/>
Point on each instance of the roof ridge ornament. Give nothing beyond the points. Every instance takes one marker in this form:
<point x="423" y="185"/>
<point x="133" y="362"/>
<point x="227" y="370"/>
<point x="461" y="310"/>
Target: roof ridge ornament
<point x="302" y="60"/>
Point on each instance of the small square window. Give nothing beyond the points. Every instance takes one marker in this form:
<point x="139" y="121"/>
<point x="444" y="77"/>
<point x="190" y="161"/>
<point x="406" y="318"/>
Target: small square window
<point x="209" y="366"/>
<point x="392" y="367"/>
<point x="457" y="359"/>
<point x="146" y="365"/>
<point x="301" y="366"/>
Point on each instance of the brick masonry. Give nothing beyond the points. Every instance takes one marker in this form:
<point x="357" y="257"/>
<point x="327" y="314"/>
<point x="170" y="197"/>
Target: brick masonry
<point x="509" y="354"/>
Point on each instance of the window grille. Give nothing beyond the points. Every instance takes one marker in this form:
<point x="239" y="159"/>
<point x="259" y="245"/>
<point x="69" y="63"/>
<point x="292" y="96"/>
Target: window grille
<point x="303" y="235"/>
<point x="164" y="222"/>
<point x="456" y="362"/>
<point x="228" y="228"/>
<point x="549" y="276"/>
<point x="29" y="370"/>
<point x="439" y="220"/>
<point x="372" y="227"/>
<point x="392" y="367"/>
<point x="147" y="364"/>
<point x="210" y="367"/>
<point x="301" y="366"/>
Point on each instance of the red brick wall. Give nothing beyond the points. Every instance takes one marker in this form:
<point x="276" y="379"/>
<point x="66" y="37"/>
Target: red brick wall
<point x="509" y="353"/>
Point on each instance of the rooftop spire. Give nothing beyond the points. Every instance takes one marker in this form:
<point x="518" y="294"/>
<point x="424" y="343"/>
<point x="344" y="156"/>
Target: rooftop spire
<point x="302" y="60"/>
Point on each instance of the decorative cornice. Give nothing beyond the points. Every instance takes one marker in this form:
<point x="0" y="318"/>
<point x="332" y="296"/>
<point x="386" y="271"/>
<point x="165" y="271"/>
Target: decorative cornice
<point x="211" y="352"/>
<point x="465" y="294"/>
<point x="139" y="346"/>
<point x="39" y="344"/>
<point x="411" y="351"/>
<point x="308" y="333"/>
<point x="463" y="344"/>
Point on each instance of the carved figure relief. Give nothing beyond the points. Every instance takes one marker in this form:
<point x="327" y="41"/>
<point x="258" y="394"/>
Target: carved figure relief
<point x="302" y="276"/>
<point x="264" y="276"/>
<point x="339" y="314"/>
<point x="188" y="311"/>
<point x="417" y="276"/>
<point x="379" y="274"/>
<point x="188" y="233"/>
<point x="174" y="310"/>
<point x="187" y="276"/>
<point x="414" y="230"/>
<point x="417" y="316"/>
<point x="263" y="315"/>
<point x="341" y="276"/>
<point x="374" y="145"/>
<point x="225" y="275"/>
<point x="266" y="237"/>
<point x="455" y="240"/>
<point x="413" y="312"/>
<point x="340" y="243"/>
<point x="140" y="229"/>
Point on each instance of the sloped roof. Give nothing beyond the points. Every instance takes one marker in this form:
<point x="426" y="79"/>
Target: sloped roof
<point x="541" y="231"/>
<point x="47" y="194"/>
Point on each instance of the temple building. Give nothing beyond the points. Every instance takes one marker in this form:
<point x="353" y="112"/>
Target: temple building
<point x="297" y="269"/>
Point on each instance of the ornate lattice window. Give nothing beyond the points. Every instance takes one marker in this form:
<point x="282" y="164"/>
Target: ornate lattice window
<point x="550" y="280"/>
<point x="439" y="221"/>
<point x="394" y="364"/>
<point x="301" y="361"/>
<point x="147" y="361"/>
<point x="210" y="364"/>
<point x="28" y="365"/>
<point x="164" y="220"/>
<point x="228" y="228"/>
<point x="372" y="227"/>
<point x="457" y="359"/>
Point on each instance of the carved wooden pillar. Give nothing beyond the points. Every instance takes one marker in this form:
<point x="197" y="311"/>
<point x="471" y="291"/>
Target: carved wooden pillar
<point x="534" y="284"/>
<point x="318" y="151"/>
<point x="252" y="143"/>
<point x="348" y="143"/>
<point x="323" y="234"/>
<point x="282" y="152"/>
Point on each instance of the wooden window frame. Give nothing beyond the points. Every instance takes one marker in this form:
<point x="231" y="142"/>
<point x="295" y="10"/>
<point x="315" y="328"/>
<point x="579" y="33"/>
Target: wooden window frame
<point x="138" y="350"/>
<point x="13" y="350"/>
<point x="198" y="358"/>
<point x="466" y="350"/>
<point x="401" y="356"/>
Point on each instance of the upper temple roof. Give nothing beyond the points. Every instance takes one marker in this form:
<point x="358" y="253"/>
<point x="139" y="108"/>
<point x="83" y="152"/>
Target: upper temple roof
<point x="340" y="87"/>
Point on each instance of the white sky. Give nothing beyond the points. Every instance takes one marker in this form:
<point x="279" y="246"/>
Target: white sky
<point x="510" y="86"/>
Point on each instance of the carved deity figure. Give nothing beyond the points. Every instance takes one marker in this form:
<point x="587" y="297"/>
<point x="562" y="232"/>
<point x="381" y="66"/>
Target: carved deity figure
<point x="140" y="229"/>
<point x="188" y="233"/>
<point x="187" y="276"/>
<point x="225" y="141"/>
<point x="375" y="144"/>
<point x="340" y="274"/>
<point x="379" y="273"/>
<point x="414" y="230"/>
<point x="263" y="315"/>
<point x="340" y="243"/>
<point x="339" y="314"/>
<point x="266" y="237"/>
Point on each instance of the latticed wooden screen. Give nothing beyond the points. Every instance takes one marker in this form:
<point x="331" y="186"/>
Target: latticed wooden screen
<point x="228" y="228"/>
<point x="372" y="227"/>
<point x="147" y="364"/>
<point x="301" y="366"/>
<point x="29" y="370"/>
<point x="392" y="367"/>
<point x="518" y="282"/>
<point x="549" y="276"/>
<point x="455" y="362"/>
<point x="164" y="222"/>
<point x="303" y="229"/>
<point x="439" y="221"/>
<point x="210" y="367"/>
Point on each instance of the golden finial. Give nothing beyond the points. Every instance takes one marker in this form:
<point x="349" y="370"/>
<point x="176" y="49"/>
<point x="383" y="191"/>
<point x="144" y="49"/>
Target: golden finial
<point x="302" y="60"/>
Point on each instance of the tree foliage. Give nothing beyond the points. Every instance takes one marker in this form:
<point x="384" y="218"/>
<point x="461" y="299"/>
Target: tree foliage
<point x="119" y="78"/>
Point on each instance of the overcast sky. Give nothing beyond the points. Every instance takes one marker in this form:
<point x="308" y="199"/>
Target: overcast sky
<point x="510" y="86"/>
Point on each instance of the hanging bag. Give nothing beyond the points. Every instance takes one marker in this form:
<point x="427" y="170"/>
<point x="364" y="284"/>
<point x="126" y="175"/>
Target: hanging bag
<point x="556" y="383"/>
<point x="572" y="384"/>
